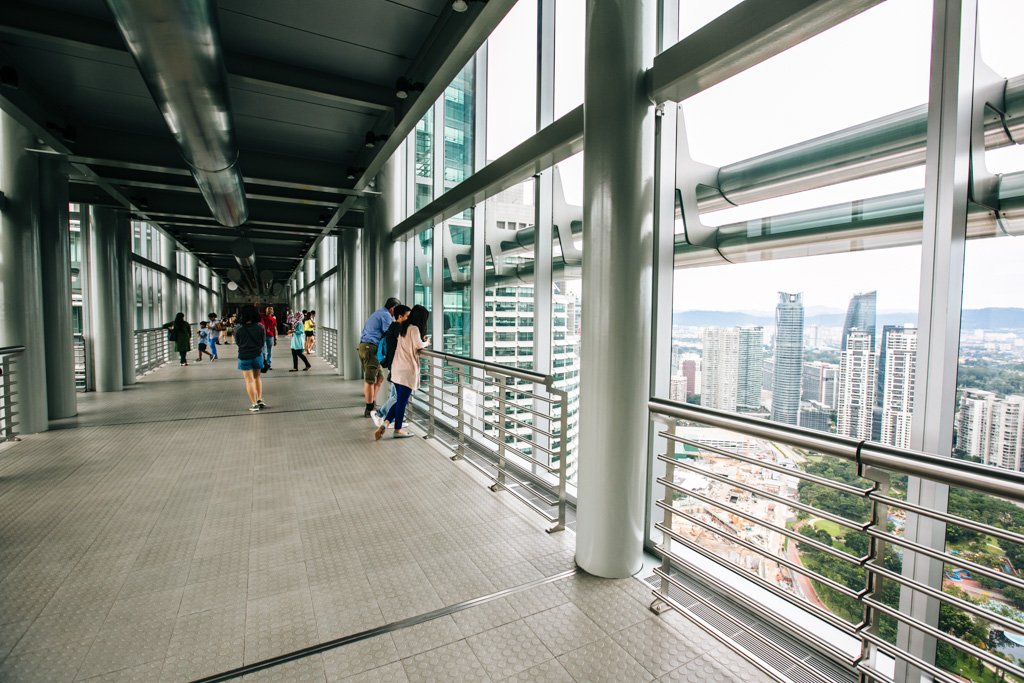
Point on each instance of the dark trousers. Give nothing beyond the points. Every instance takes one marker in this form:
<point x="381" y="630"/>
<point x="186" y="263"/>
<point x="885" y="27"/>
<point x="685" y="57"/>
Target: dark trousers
<point x="296" y="355"/>
<point x="397" y="413"/>
<point x="183" y="355"/>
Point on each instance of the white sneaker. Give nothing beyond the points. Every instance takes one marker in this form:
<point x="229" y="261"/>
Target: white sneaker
<point x="254" y="408"/>
<point x="377" y="419"/>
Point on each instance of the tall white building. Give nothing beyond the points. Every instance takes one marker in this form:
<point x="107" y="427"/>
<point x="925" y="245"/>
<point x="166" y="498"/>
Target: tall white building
<point x="788" y="362"/>
<point x="974" y="419"/>
<point x="898" y="391"/>
<point x="1005" y="433"/>
<point x="719" y="379"/>
<point x="678" y="389"/>
<point x="856" y="386"/>
<point x="750" y="367"/>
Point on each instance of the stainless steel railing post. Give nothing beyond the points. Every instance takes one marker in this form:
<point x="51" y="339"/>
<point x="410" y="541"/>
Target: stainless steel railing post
<point x="8" y="397"/>
<point x="431" y="398"/>
<point x="658" y="605"/>
<point x="460" y="449"/>
<point x="875" y="558"/>
<point x="563" y="455"/>
<point x="502" y="411"/>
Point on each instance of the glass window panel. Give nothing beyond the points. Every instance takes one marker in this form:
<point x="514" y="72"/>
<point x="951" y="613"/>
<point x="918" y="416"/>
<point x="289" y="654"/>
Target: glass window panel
<point x="509" y="218"/>
<point x="694" y="14"/>
<point x="567" y="293"/>
<point x="459" y="113"/>
<point x="457" y="282"/>
<point x="512" y="80"/>
<point x="874" y="64"/>
<point x="423" y="267"/>
<point x="423" y="166"/>
<point x="990" y="382"/>
<point x="570" y="34"/>
<point x="800" y="314"/>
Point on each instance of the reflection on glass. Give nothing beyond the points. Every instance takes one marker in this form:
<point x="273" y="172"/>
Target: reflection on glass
<point x="459" y="111"/>
<point x="509" y="303"/>
<point x="456" y="279"/>
<point x="567" y="295"/>
<point x="423" y="267"/>
<point x="424" y="161"/>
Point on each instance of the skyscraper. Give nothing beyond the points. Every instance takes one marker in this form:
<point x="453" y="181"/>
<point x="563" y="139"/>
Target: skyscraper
<point x="876" y="428"/>
<point x="750" y="368"/>
<point x="719" y="379"/>
<point x="860" y="315"/>
<point x="789" y="351"/>
<point x="973" y="423"/>
<point x="898" y="392"/>
<point x="856" y="386"/>
<point x="819" y="383"/>
<point x="1006" y="433"/>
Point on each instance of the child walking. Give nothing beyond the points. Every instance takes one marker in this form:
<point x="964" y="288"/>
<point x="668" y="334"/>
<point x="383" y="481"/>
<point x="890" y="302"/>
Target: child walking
<point x="204" y="338"/>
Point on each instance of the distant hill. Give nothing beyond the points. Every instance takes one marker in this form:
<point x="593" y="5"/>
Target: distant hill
<point x="993" y="319"/>
<point x="973" y="319"/>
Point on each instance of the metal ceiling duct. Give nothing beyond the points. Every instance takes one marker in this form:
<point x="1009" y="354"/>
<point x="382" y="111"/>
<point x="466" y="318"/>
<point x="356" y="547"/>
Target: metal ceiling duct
<point x="245" y="254"/>
<point x="176" y="44"/>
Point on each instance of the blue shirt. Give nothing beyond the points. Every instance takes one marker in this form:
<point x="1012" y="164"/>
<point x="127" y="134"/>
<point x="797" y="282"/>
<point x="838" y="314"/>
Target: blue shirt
<point x="376" y="327"/>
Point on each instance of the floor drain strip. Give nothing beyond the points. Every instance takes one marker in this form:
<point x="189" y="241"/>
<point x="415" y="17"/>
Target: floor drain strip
<point x="379" y="630"/>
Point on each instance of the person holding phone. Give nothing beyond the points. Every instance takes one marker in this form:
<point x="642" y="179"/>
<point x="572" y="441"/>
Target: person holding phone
<point x="405" y="369"/>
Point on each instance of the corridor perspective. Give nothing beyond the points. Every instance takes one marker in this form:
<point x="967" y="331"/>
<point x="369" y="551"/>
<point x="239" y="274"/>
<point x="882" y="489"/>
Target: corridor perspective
<point x="165" y="535"/>
<point x="599" y="340"/>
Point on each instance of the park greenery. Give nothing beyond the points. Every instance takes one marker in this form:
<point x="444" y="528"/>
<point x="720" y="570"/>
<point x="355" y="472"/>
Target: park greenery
<point x="967" y="543"/>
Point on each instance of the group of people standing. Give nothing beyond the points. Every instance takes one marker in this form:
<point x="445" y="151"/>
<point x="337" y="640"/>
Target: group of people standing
<point x="211" y="333"/>
<point x="391" y="340"/>
<point x="403" y="331"/>
<point x="255" y="334"/>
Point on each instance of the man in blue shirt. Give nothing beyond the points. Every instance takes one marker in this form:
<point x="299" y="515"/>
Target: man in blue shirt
<point x="373" y="331"/>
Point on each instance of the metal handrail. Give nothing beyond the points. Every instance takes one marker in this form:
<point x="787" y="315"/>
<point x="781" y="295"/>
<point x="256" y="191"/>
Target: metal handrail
<point x="445" y="392"/>
<point x="876" y="463"/>
<point x="81" y="362"/>
<point x="152" y="349"/>
<point x="327" y="344"/>
<point x="8" y="394"/>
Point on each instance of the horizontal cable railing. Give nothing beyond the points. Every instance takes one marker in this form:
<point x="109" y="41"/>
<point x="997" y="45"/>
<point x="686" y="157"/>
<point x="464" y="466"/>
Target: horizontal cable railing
<point x="9" y="392"/>
<point x="152" y="349"/>
<point x="327" y="344"/>
<point x="81" y="357"/>
<point x="815" y="521"/>
<point x="517" y="418"/>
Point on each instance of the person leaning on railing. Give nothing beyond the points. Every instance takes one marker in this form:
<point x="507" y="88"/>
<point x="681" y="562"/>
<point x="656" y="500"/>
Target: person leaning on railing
<point x="374" y="329"/>
<point x="405" y="369"/>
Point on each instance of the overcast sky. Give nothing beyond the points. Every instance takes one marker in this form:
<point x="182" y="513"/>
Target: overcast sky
<point x="872" y="65"/>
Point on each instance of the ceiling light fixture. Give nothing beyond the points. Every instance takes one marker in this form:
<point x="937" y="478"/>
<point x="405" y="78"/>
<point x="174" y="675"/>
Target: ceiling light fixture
<point x="354" y="172"/>
<point x="372" y="139"/>
<point x="404" y="87"/>
<point x="463" y="5"/>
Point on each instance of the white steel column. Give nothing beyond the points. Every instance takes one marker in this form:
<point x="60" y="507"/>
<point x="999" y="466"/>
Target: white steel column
<point x="349" y="298"/>
<point x="21" y="294"/>
<point x="618" y="232"/>
<point x="105" y="299"/>
<point x="388" y="207"/>
<point x="55" y="274"/>
<point x="664" y="244"/>
<point x="169" y="260"/>
<point x="947" y="175"/>
<point x="193" y="300"/>
<point x="125" y="275"/>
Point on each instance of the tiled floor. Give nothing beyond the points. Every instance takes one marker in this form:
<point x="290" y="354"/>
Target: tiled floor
<point x="167" y="534"/>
